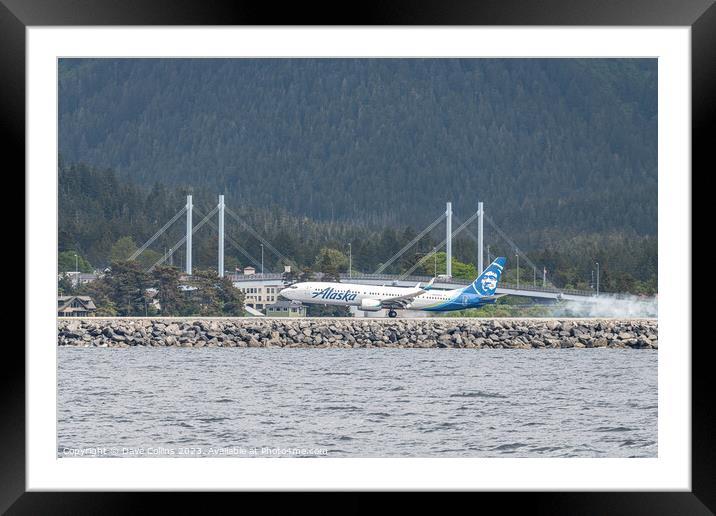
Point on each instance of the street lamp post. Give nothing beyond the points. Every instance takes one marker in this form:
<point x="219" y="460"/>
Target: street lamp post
<point x="518" y="269"/>
<point x="350" y="260"/>
<point x="262" y="261"/>
<point x="77" y="272"/>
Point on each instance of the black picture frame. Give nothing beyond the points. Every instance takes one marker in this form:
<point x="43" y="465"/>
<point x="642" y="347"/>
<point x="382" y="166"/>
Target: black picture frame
<point x="700" y="15"/>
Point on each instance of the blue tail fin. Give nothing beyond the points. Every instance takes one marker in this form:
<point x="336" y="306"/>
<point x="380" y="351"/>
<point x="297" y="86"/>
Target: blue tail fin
<point x="486" y="283"/>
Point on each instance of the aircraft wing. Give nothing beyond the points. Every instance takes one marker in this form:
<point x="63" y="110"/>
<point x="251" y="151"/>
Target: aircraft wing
<point x="402" y="301"/>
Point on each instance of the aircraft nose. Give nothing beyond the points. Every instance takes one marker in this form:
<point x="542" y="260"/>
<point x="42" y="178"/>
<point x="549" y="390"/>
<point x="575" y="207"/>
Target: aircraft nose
<point x="284" y="292"/>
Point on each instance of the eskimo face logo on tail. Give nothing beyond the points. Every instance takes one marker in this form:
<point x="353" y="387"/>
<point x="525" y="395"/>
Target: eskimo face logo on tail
<point x="329" y="293"/>
<point x="489" y="281"/>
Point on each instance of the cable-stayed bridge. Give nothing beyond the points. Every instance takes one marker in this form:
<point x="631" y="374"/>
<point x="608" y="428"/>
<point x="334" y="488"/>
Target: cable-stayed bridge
<point x="545" y="292"/>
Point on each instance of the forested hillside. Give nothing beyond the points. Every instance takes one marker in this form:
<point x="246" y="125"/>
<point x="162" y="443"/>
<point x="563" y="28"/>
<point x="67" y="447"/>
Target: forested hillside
<point x="321" y="148"/>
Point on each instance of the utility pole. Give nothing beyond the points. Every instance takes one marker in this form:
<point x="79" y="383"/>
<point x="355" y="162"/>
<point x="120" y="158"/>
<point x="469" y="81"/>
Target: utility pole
<point x="534" y="276"/>
<point x="221" y="236"/>
<point x="77" y="272"/>
<point x="544" y="277"/>
<point x="189" y="207"/>
<point x="448" y="240"/>
<point x="262" y="261"/>
<point x="480" y="217"/>
<point x="517" y="254"/>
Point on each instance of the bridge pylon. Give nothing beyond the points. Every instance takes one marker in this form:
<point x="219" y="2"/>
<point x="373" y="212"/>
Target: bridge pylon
<point x="448" y="240"/>
<point x="189" y="228"/>
<point x="220" y="268"/>
<point x="480" y="219"/>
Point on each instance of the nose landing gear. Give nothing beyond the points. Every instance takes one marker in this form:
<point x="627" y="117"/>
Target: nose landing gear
<point x="392" y="313"/>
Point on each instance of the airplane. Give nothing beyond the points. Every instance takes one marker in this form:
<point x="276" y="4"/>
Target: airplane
<point x="370" y="298"/>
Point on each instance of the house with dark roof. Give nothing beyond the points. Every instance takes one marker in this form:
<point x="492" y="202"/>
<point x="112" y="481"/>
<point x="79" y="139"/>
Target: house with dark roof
<point x="75" y="306"/>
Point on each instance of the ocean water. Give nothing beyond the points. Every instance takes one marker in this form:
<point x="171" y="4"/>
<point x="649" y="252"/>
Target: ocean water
<point x="241" y="402"/>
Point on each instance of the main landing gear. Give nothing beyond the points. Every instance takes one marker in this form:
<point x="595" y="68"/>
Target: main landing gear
<point x="392" y="313"/>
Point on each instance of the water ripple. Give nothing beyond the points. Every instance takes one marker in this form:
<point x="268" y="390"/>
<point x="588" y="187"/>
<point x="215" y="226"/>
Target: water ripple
<point x="362" y="402"/>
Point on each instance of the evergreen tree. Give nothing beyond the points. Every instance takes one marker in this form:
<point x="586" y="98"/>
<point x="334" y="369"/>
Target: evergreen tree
<point x="103" y="295"/>
<point x="331" y="263"/>
<point x="167" y="281"/>
<point x="122" y="249"/>
<point x="128" y="284"/>
<point x="65" y="286"/>
<point x="213" y="296"/>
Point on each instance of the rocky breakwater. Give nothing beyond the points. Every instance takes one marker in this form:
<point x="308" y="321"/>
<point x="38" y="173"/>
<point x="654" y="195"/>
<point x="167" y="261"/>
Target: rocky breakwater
<point x="360" y="333"/>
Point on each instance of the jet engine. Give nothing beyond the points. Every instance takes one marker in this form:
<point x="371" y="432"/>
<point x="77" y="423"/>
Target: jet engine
<point x="370" y="305"/>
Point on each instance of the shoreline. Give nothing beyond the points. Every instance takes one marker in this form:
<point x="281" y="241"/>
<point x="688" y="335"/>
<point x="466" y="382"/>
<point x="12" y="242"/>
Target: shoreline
<point x="423" y="332"/>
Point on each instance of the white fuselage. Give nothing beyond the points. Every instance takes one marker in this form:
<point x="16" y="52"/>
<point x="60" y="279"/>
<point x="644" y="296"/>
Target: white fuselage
<point x="351" y="294"/>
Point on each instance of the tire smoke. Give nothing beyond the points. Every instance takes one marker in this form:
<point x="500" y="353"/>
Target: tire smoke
<point x="608" y="306"/>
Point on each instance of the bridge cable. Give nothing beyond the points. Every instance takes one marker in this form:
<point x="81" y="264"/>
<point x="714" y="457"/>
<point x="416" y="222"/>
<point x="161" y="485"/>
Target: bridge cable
<point x="168" y="254"/>
<point x="435" y="249"/>
<point x="236" y="245"/>
<point x="509" y="241"/>
<point x="156" y="235"/>
<point x="513" y="245"/>
<point x="261" y="239"/>
<point x="183" y="239"/>
<point x="410" y="244"/>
